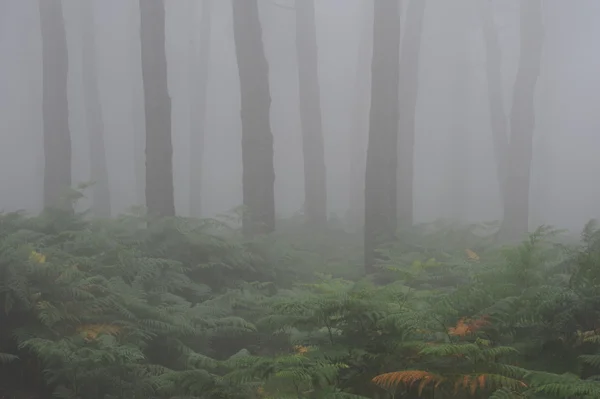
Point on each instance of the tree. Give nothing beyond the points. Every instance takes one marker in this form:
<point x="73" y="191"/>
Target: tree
<point x="93" y="115"/>
<point x="522" y="123"/>
<point x="257" y="138"/>
<point x="199" y="62"/>
<point x="159" y="148"/>
<point x="55" y="107"/>
<point x="409" y="90"/>
<point x="382" y="153"/>
<point x="493" y="63"/>
<point x="315" y="179"/>
<point x="360" y="131"/>
<point x="137" y="108"/>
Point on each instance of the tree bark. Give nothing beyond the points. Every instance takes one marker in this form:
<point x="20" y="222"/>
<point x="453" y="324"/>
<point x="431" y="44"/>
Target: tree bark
<point x="257" y="138"/>
<point x="360" y="131"/>
<point x="199" y="61"/>
<point x="315" y="173"/>
<point x="409" y="90"/>
<point x="382" y="153"/>
<point x="159" y="147"/>
<point x="515" y="224"/>
<point x="55" y="108"/>
<point x="137" y="111"/>
<point x="94" y="119"/>
<point x="493" y="65"/>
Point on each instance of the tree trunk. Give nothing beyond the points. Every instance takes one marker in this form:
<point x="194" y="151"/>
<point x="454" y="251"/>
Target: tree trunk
<point x="57" y="137"/>
<point x="315" y="179"/>
<point x="255" y="101"/>
<point x="93" y="116"/>
<point x="409" y="90"/>
<point x="493" y="65"/>
<point x="360" y="131"/>
<point x="382" y="154"/>
<point x="159" y="148"/>
<point x="522" y="124"/>
<point x="199" y="61"/>
<point x="137" y="111"/>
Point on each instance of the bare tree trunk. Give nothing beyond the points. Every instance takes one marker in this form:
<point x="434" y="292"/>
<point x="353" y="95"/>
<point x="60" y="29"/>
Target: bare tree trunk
<point x="138" y="113"/>
<point x="360" y="131"/>
<point x="382" y="154"/>
<point x="200" y="61"/>
<point x="493" y="65"/>
<point x="409" y="90"/>
<point x="57" y="137"/>
<point x="95" y="124"/>
<point x="315" y="173"/>
<point x="522" y="124"/>
<point x="257" y="138"/>
<point x="159" y="148"/>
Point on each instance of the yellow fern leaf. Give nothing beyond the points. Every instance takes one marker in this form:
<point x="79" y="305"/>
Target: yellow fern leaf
<point x="37" y="257"/>
<point x="299" y="349"/>
<point x="472" y="255"/>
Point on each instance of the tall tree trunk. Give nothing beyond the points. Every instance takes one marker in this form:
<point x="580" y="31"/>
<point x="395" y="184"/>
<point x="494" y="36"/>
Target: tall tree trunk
<point x="360" y="131"/>
<point x="257" y="138"/>
<point x="493" y="65"/>
<point x="159" y="148"/>
<point x="409" y="90"/>
<point x="57" y="137"/>
<point x="137" y="110"/>
<point x="522" y="123"/>
<point x="199" y="61"/>
<point x="315" y="179"/>
<point x="93" y="116"/>
<point x="382" y="154"/>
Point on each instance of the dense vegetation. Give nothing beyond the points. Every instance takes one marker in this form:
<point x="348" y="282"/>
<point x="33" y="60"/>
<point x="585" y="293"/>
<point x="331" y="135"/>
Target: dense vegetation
<point x="183" y="308"/>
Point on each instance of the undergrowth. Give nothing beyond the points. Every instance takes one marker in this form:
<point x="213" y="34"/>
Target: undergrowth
<point x="186" y="308"/>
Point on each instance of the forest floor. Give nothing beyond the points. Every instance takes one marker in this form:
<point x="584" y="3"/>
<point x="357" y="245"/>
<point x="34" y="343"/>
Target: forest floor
<point x="191" y="309"/>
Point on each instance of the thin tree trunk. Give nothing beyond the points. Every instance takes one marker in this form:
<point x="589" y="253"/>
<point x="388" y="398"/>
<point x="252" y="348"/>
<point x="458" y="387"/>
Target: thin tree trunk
<point x="159" y="147"/>
<point x="199" y="61"/>
<point x="138" y="113"/>
<point x="360" y="132"/>
<point x="95" y="124"/>
<point x="493" y="65"/>
<point x="57" y="137"/>
<point x="257" y="139"/>
<point x="382" y="154"/>
<point x="522" y="123"/>
<point x="315" y="174"/>
<point x="409" y="90"/>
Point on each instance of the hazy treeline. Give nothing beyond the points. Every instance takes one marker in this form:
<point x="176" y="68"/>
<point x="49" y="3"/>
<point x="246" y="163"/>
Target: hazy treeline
<point x="455" y="76"/>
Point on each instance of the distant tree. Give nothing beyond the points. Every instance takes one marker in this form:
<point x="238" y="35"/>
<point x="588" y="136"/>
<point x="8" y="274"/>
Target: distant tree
<point x="382" y="153"/>
<point x="138" y="114"/>
<point x="360" y="118"/>
<point x="257" y="138"/>
<point x="522" y="123"/>
<point x="93" y="113"/>
<point x="57" y="137"/>
<point x="199" y="62"/>
<point x="409" y="91"/>
<point x="498" y="120"/>
<point x="315" y="173"/>
<point x="159" y="147"/>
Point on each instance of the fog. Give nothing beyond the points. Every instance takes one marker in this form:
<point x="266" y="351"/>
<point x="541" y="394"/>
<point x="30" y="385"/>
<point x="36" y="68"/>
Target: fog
<point x="454" y="161"/>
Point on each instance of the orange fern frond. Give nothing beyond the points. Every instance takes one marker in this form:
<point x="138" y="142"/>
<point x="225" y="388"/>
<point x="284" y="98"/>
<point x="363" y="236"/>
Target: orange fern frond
<point x="408" y="378"/>
<point x="466" y="326"/>
<point x="91" y="331"/>
<point x="461" y="329"/>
